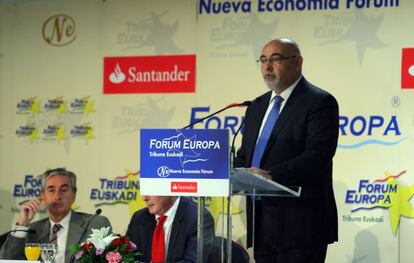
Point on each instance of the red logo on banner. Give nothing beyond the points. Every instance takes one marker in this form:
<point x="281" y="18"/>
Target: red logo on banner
<point x="184" y="187"/>
<point x="407" y="68"/>
<point x="152" y="74"/>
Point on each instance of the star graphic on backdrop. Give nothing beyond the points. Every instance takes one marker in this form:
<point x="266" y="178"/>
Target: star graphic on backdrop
<point x="138" y="203"/>
<point x="89" y="107"/>
<point x="35" y="108"/>
<point x="60" y="134"/>
<point x="89" y="134"/>
<point x="62" y="108"/>
<point x="34" y="135"/>
<point x="253" y="37"/>
<point x="74" y="206"/>
<point x="399" y="205"/>
<point x="161" y="36"/>
<point x="144" y="115"/>
<point x="218" y="207"/>
<point x="364" y="33"/>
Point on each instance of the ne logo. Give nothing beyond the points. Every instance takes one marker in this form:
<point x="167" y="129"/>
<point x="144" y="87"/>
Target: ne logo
<point x="59" y="30"/>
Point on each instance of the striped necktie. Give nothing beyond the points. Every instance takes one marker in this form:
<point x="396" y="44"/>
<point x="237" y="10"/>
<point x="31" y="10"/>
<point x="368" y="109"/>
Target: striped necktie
<point x="55" y="230"/>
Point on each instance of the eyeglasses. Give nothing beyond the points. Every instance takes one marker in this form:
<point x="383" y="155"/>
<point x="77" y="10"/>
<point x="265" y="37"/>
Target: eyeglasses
<point x="274" y="59"/>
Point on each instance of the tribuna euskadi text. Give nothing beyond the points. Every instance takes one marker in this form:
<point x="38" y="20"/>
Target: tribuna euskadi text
<point x="246" y="6"/>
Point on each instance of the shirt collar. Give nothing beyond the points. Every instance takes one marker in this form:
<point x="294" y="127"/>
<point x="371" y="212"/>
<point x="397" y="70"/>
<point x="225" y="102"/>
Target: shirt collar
<point x="286" y="93"/>
<point x="64" y="222"/>
<point x="171" y="212"/>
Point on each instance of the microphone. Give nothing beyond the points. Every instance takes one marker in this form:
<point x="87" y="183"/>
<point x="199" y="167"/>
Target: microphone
<point x="243" y="104"/>
<point x="97" y="213"/>
<point x="232" y="148"/>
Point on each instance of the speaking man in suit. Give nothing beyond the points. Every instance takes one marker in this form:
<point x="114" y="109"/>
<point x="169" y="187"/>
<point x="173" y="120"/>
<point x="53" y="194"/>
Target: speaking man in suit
<point x="166" y="230"/>
<point x="63" y="226"/>
<point x="290" y="136"/>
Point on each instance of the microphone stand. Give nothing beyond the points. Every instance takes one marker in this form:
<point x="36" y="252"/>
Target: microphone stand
<point x="243" y="104"/>
<point x="201" y="200"/>
<point x="233" y="148"/>
<point x="229" y="217"/>
<point x="97" y="213"/>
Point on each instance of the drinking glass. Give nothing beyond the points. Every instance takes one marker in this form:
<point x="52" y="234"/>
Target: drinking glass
<point x="32" y="251"/>
<point x="48" y="252"/>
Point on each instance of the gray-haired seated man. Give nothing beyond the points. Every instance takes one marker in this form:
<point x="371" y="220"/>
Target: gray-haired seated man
<point x="62" y="226"/>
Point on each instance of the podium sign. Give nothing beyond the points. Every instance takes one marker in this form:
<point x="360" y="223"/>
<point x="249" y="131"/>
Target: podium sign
<point x="184" y="162"/>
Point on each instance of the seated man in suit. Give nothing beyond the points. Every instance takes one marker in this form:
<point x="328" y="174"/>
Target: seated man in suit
<point x="63" y="226"/>
<point x="166" y="231"/>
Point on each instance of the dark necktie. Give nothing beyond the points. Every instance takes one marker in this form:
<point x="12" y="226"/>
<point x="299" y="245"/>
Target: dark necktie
<point x="267" y="130"/>
<point x="158" y="241"/>
<point x="55" y="230"/>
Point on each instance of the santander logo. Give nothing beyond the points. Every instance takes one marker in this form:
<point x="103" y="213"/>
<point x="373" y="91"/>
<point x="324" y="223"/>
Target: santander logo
<point x="149" y="74"/>
<point x="184" y="187"/>
<point x="117" y="76"/>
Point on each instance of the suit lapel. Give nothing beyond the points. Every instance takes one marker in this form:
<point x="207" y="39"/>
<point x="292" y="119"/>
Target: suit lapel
<point x="288" y="111"/>
<point x="148" y="231"/>
<point x="256" y="122"/>
<point x="75" y="231"/>
<point x="176" y="226"/>
<point x="260" y="112"/>
<point x="44" y="231"/>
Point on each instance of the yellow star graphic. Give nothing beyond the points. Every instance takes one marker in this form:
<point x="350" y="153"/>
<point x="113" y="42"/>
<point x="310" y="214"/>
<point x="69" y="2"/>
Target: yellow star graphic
<point x="89" y="107"/>
<point x="35" y="108"/>
<point x="138" y="203"/>
<point x="61" y="134"/>
<point x="397" y="201"/>
<point x="218" y="206"/>
<point x="89" y="134"/>
<point x="34" y="135"/>
<point x="62" y="108"/>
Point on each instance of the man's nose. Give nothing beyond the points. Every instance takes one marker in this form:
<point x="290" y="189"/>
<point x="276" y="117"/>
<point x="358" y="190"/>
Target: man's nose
<point x="269" y="66"/>
<point x="57" y="196"/>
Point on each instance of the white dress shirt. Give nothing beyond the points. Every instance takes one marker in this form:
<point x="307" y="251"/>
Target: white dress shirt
<point x="62" y="237"/>
<point x="285" y="95"/>
<point x="168" y="223"/>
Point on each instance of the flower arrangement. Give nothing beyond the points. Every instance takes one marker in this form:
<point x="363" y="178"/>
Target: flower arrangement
<point x="104" y="247"/>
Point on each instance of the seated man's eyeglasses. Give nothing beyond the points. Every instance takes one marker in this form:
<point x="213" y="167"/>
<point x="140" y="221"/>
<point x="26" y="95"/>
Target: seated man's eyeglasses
<point x="274" y="59"/>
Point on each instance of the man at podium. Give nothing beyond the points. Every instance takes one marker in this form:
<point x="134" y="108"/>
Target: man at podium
<point x="290" y="136"/>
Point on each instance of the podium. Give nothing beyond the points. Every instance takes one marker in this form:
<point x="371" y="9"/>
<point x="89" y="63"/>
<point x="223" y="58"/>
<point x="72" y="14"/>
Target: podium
<point x="245" y="183"/>
<point x="242" y="182"/>
<point x="196" y="163"/>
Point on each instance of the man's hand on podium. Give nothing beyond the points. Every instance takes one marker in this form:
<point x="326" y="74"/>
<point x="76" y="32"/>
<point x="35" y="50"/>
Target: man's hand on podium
<point x="260" y="172"/>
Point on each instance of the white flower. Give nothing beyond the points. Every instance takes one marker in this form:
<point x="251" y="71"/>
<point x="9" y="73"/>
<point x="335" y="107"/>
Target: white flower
<point x="100" y="237"/>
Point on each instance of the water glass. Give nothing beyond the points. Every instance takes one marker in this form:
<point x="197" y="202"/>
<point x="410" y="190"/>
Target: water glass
<point x="48" y="252"/>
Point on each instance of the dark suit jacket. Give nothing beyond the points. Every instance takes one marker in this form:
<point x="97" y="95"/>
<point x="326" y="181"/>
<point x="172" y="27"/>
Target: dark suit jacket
<point x="182" y="246"/>
<point x="299" y="153"/>
<point x="79" y="231"/>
